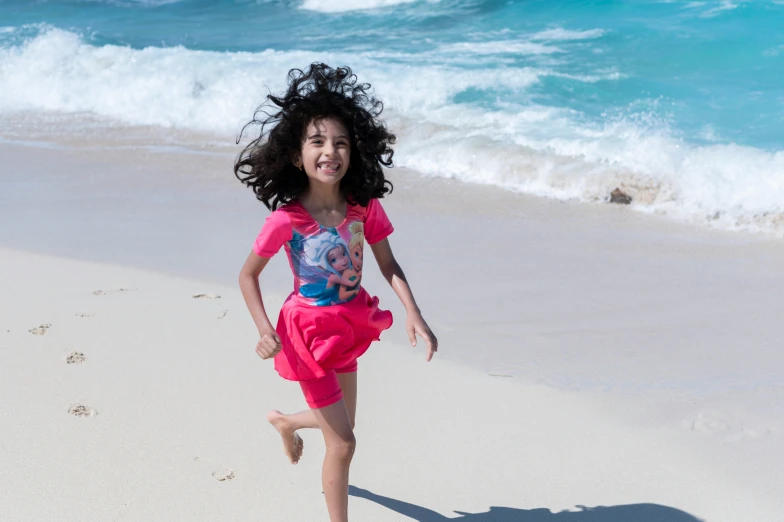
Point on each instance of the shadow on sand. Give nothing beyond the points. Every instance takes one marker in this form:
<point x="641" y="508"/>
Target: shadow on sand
<point x="629" y="513"/>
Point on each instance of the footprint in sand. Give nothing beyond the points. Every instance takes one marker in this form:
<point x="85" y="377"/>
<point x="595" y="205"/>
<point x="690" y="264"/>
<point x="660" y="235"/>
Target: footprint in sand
<point x="107" y="292"/>
<point x="75" y="358"/>
<point x="718" y="423"/>
<point x="223" y="474"/>
<point x="223" y="314"/>
<point x="712" y="421"/>
<point x="209" y="295"/>
<point x="758" y="432"/>
<point x="40" y="329"/>
<point x="80" y="410"/>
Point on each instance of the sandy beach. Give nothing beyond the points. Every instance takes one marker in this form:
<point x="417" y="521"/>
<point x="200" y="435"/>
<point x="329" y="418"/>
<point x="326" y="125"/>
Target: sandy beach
<point x="596" y="364"/>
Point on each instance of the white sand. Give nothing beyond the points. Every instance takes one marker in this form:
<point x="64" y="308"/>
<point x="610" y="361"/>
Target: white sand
<point x="638" y="362"/>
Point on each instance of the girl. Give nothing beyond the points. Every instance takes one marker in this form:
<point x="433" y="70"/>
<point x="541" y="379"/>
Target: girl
<point x="317" y="165"/>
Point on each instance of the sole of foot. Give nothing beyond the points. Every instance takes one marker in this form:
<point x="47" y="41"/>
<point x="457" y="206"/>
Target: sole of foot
<point x="292" y="443"/>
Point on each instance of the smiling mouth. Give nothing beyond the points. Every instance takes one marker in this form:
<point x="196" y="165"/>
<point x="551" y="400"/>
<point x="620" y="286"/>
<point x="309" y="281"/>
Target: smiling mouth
<point x="329" y="167"/>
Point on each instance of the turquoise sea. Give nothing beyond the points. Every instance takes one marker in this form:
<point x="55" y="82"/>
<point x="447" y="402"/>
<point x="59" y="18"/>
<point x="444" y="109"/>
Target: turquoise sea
<point x="680" y="103"/>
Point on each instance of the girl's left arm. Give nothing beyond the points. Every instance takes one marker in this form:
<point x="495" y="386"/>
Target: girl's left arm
<point x="415" y="324"/>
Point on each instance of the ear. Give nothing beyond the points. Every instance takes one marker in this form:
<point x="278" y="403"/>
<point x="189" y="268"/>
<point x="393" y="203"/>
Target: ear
<point x="296" y="159"/>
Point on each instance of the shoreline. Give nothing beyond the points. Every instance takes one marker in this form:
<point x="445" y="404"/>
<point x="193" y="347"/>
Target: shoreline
<point x="84" y="131"/>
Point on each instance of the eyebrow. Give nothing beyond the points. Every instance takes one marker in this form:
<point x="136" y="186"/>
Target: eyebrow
<point x="319" y="135"/>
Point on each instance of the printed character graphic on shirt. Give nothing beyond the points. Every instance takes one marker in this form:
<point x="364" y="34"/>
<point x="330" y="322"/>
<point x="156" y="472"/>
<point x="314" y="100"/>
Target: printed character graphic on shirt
<point x="356" y="244"/>
<point x="339" y="281"/>
<point x="348" y="282"/>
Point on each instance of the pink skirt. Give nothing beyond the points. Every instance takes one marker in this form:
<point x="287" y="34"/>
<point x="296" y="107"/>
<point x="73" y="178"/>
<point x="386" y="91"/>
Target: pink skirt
<point x="317" y="339"/>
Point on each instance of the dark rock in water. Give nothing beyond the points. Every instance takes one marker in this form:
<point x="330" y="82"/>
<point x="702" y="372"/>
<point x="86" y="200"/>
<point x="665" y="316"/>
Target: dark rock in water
<point x="620" y="197"/>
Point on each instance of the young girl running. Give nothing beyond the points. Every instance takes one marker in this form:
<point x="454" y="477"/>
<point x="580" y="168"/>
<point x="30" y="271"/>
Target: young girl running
<point x="317" y="165"/>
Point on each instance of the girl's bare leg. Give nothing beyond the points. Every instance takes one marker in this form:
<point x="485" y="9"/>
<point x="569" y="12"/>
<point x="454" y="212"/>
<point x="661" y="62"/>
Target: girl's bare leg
<point x="287" y="425"/>
<point x="348" y="384"/>
<point x="335" y="424"/>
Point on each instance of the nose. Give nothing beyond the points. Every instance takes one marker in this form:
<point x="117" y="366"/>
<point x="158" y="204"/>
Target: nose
<point x="329" y="148"/>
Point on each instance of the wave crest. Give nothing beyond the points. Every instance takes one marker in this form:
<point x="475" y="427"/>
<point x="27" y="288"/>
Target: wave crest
<point x="342" y="6"/>
<point x="542" y="150"/>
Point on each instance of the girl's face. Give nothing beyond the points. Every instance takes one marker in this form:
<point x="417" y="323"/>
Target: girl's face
<point x="356" y="257"/>
<point x="338" y="259"/>
<point x="325" y="152"/>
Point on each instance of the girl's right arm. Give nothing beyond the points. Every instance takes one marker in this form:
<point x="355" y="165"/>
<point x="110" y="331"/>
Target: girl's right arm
<point x="269" y="342"/>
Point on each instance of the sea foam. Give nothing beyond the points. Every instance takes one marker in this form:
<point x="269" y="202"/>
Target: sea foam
<point x="528" y="147"/>
<point x="340" y="6"/>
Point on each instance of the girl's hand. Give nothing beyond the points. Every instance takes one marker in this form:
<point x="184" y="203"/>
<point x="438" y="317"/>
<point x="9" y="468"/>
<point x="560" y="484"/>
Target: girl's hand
<point x="416" y="325"/>
<point x="269" y="345"/>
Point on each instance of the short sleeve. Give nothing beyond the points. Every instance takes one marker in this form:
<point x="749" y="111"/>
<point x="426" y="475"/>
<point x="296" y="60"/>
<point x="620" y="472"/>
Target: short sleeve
<point x="276" y="231"/>
<point x="377" y="224"/>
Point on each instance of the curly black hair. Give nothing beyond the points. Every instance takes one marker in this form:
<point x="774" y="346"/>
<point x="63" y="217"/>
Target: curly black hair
<point x="318" y="92"/>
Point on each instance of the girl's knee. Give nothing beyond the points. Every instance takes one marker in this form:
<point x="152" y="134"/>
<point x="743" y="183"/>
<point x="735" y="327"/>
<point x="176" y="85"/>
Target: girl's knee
<point x="344" y="447"/>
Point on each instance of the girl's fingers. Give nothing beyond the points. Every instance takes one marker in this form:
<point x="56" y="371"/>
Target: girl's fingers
<point x="268" y="355"/>
<point x="430" y="348"/>
<point x="429" y="338"/>
<point x="412" y="335"/>
<point x="267" y="348"/>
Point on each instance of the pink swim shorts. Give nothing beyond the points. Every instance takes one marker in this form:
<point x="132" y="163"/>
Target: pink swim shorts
<point x="321" y="392"/>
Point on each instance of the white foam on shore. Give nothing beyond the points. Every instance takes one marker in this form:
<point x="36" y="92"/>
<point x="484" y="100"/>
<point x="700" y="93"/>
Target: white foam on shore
<point x="723" y="186"/>
<point x="527" y="147"/>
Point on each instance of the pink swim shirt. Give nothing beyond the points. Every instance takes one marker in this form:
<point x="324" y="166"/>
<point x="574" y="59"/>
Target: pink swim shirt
<point x="326" y="262"/>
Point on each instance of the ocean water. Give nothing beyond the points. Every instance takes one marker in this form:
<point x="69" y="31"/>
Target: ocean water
<point x="679" y="103"/>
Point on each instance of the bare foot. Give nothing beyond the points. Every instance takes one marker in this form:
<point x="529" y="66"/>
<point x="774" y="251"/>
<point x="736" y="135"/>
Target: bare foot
<point x="292" y="443"/>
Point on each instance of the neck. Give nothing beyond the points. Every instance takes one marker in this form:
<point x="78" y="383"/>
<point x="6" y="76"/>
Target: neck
<point x="323" y="196"/>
